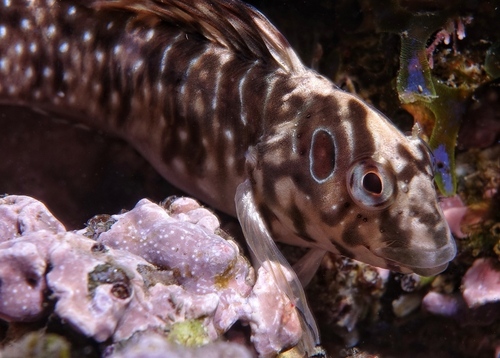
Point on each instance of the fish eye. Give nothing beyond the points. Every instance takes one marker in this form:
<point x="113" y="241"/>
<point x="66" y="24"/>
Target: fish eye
<point x="371" y="184"/>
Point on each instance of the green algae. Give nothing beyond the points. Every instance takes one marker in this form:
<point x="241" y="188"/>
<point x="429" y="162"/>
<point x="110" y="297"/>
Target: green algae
<point x="436" y="106"/>
<point x="40" y="345"/>
<point x="443" y="114"/>
<point x="190" y="333"/>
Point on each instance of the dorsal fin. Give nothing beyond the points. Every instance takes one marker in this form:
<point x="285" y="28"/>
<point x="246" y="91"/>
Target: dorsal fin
<point x="231" y="23"/>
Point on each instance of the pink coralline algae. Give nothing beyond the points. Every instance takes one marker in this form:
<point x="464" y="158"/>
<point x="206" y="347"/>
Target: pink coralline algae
<point x="481" y="283"/>
<point x="480" y="287"/>
<point x="454" y="211"/>
<point x="146" y="270"/>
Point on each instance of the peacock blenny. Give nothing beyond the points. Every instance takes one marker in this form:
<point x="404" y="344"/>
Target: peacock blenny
<point x="218" y="102"/>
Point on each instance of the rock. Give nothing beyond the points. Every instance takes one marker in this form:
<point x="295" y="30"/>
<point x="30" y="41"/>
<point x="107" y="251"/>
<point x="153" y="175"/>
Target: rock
<point x="147" y="270"/>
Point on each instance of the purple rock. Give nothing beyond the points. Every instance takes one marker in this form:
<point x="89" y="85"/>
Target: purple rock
<point x="146" y="270"/>
<point x="481" y="283"/>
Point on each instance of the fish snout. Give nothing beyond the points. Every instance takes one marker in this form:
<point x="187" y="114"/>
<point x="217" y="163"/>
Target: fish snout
<point x="420" y="258"/>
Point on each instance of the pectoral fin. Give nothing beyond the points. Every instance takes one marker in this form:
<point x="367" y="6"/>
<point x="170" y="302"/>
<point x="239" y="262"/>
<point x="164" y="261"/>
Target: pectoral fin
<point x="263" y="249"/>
<point x="307" y="266"/>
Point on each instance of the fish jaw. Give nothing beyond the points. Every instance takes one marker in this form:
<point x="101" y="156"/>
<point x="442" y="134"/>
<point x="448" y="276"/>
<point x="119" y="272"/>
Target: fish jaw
<point x="424" y="258"/>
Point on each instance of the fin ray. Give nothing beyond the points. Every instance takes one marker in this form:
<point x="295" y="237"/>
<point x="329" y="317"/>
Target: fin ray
<point x="230" y="23"/>
<point x="308" y="264"/>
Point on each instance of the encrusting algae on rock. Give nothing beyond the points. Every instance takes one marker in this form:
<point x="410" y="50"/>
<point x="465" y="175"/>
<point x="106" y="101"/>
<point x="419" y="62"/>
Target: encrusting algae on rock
<point x="154" y="270"/>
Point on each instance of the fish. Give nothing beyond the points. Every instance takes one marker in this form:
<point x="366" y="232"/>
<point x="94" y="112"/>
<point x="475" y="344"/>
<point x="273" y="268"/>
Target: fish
<point x="215" y="98"/>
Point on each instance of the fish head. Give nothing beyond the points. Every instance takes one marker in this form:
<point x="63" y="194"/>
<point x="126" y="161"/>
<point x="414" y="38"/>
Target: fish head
<point x="399" y="224"/>
<point x="343" y="178"/>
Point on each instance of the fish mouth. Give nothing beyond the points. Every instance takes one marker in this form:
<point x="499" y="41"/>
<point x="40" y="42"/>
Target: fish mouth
<point x="429" y="271"/>
<point x="422" y="261"/>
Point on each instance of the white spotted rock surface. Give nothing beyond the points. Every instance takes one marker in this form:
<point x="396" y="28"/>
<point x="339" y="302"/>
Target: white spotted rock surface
<point x="146" y="270"/>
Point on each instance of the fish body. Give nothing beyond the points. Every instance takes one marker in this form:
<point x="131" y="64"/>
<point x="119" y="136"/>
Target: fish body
<point x="215" y="98"/>
<point x="212" y="95"/>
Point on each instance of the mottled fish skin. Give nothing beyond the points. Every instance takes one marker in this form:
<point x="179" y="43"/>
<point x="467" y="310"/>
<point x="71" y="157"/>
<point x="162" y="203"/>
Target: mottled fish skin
<point x="212" y="95"/>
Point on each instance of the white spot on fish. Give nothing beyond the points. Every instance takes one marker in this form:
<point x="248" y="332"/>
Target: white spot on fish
<point x="117" y="50"/>
<point x="99" y="56"/>
<point x="150" y="34"/>
<point x="71" y="10"/>
<point x="87" y="36"/>
<point x="33" y="47"/>
<point x="3" y="31"/>
<point x="51" y="30"/>
<point x="228" y="134"/>
<point x="159" y="88"/>
<point x="28" y="72"/>
<point x="19" y="48"/>
<point x="63" y="48"/>
<point x="3" y="64"/>
<point x="47" y="72"/>
<point x="25" y="24"/>
<point x="6" y="3"/>
<point x="137" y="65"/>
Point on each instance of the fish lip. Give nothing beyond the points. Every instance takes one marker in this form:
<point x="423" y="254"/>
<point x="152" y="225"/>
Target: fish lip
<point x="424" y="262"/>
<point x="429" y="271"/>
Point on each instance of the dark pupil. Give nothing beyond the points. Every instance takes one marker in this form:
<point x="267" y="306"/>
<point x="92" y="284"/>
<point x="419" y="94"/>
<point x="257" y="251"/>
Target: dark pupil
<point x="372" y="183"/>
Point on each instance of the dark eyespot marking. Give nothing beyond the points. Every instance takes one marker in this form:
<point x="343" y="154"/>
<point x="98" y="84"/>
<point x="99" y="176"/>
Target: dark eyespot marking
<point x="322" y="155"/>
